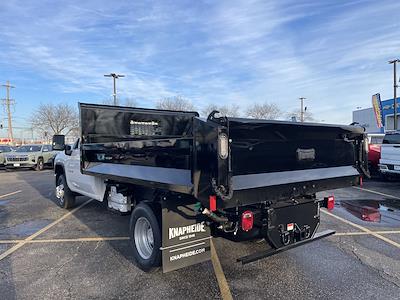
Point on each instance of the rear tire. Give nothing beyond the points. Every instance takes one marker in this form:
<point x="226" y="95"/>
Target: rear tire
<point x="145" y="236"/>
<point x="65" y="196"/>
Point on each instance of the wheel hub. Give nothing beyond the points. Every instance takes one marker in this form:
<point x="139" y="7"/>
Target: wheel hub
<point x="60" y="191"/>
<point x="144" y="238"/>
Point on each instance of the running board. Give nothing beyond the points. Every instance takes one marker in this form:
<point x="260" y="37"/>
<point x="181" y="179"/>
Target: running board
<point x="259" y="255"/>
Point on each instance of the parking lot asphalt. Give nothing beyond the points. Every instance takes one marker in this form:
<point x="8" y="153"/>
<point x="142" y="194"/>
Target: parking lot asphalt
<point x="47" y="252"/>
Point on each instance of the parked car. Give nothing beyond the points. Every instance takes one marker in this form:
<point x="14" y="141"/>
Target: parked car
<point x="374" y="151"/>
<point x="3" y="150"/>
<point x="31" y="156"/>
<point x="389" y="163"/>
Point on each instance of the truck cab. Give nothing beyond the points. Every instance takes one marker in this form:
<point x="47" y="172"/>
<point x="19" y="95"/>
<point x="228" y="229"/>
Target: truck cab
<point x="389" y="163"/>
<point x="67" y="163"/>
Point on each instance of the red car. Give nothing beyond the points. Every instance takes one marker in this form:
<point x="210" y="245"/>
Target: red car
<point x="374" y="153"/>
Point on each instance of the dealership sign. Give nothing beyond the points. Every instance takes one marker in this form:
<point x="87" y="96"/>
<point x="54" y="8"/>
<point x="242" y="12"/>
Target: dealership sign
<point x="377" y="106"/>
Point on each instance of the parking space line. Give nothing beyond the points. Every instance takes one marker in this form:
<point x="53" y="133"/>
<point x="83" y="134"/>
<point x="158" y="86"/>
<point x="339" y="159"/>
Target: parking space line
<point x="10" y="194"/>
<point x="10" y="241"/>
<point x="37" y="233"/>
<point x="375" y="192"/>
<point x="366" y="233"/>
<point x="362" y="228"/>
<point x="219" y="273"/>
<point x="88" y="239"/>
<point x="125" y="238"/>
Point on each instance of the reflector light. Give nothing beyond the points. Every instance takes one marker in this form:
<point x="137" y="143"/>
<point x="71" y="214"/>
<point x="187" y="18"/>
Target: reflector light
<point x="223" y="146"/>
<point x="331" y="202"/>
<point x="213" y="203"/>
<point x="247" y="220"/>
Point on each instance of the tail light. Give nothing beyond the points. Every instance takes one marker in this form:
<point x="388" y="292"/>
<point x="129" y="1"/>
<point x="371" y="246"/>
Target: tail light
<point x="213" y="202"/>
<point x="330" y="202"/>
<point x="247" y="220"/>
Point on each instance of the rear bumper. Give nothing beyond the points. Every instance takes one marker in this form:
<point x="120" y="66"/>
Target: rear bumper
<point x="389" y="169"/>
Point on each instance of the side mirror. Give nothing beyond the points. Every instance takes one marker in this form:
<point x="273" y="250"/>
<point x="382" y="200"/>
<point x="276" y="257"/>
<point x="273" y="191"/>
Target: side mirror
<point x="68" y="150"/>
<point x="58" y="142"/>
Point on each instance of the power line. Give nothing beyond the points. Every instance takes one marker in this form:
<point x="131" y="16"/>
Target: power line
<point x="114" y="76"/>
<point x="7" y="102"/>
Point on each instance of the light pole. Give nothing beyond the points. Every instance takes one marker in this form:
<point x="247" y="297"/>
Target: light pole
<point x="114" y="76"/>
<point x="302" y="109"/>
<point x="394" y="62"/>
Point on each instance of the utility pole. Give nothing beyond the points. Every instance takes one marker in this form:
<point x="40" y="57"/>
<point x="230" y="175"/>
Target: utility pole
<point x="8" y="102"/>
<point x="394" y="62"/>
<point x="302" y="109"/>
<point x="114" y="76"/>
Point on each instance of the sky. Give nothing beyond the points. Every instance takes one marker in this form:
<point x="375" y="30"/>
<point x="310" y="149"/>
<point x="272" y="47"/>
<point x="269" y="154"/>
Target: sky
<point x="334" y="53"/>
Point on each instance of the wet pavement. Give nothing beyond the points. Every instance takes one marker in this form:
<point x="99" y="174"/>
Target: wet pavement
<point x="352" y="264"/>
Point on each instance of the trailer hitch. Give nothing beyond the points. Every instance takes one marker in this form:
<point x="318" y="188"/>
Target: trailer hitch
<point x="259" y="255"/>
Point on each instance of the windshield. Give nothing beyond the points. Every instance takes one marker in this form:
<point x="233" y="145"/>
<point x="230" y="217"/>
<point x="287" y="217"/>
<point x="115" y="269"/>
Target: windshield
<point x="29" y="148"/>
<point x="5" y="149"/>
<point x="392" y="139"/>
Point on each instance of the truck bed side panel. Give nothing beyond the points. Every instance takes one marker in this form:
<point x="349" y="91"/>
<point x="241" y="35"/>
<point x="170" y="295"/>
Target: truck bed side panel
<point x="143" y="146"/>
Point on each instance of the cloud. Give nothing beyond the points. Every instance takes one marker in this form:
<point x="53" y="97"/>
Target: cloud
<point x="333" y="53"/>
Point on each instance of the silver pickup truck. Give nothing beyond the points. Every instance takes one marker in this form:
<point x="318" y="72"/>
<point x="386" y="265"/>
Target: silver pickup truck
<point x="30" y="156"/>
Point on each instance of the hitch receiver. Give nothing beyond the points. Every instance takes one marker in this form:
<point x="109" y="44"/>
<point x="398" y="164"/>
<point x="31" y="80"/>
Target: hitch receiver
<point x="259" y="255"/>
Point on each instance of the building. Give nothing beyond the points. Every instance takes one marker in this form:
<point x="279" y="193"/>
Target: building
<point x="366" y="117"/>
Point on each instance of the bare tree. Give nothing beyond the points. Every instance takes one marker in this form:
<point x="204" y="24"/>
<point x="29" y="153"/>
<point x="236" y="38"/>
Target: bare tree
<point x="269" y="111"/>
<point x="55" y="119"/>
<point x="232" y="110"/>
<point x="175" y="103"/>
<point x="308" y="116"/>
<point x="129" y="102"/>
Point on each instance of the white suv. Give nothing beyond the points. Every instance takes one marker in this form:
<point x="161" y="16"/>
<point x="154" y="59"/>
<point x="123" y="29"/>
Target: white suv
<point x="389" y="163"/>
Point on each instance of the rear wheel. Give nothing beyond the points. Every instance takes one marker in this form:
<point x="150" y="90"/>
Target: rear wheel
<point x="145" y="235"/>
<point x="65" y="196"/>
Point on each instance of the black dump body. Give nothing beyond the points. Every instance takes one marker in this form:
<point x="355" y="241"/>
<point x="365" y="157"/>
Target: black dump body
<point x="179" y="152"/>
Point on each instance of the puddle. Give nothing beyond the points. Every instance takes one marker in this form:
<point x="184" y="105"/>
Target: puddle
<point x="4" y="202"/>
<point x="371" y="210"/>
<point x="24" y="229"/>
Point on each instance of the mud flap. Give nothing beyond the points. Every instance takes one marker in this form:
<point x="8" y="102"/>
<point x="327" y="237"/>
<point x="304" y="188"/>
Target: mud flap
<point x="185" y="235"/>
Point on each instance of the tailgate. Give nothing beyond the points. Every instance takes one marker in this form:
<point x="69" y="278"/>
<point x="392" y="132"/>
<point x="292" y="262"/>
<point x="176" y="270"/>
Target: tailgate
<point x="272" y="160"/>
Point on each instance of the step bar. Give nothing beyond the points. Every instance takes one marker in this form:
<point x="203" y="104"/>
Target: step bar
<point x="263" y="254"/>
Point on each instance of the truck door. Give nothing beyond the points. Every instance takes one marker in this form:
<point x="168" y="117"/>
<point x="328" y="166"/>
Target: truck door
<point x="78" y="182"/>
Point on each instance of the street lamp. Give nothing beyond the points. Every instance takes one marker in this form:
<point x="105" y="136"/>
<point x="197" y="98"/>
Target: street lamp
<point x="394" y="62"/>
<point x="302" y="108"/>
<point x="114" y="76"/>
